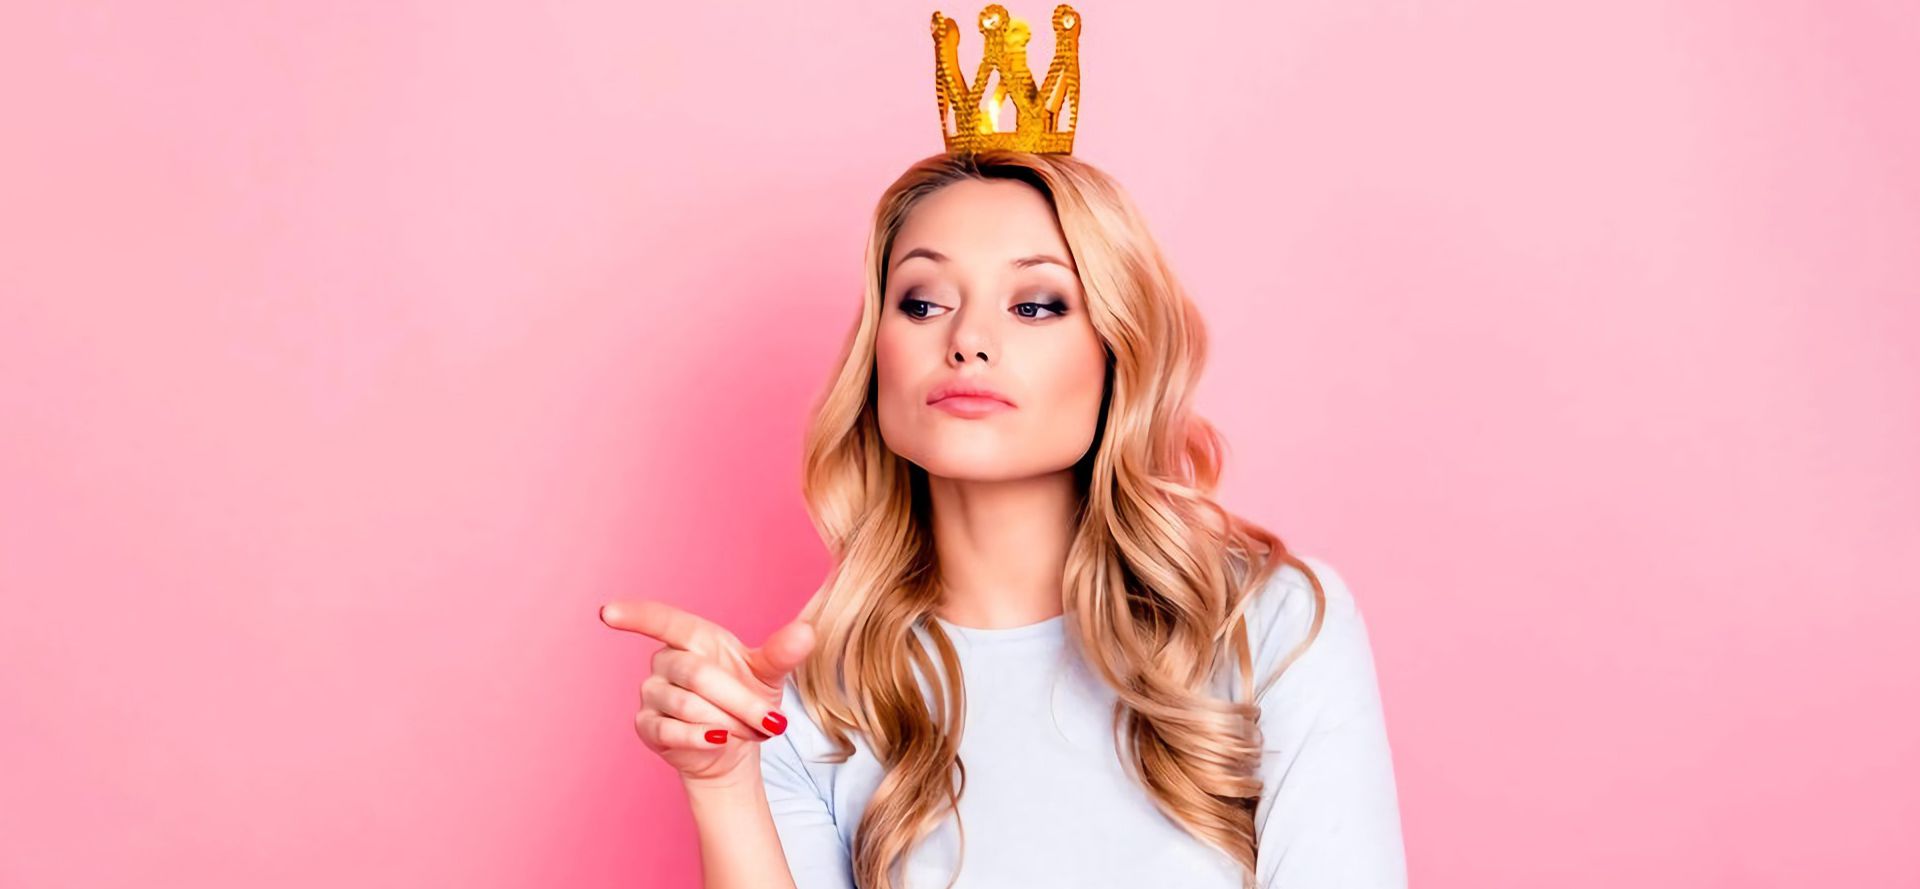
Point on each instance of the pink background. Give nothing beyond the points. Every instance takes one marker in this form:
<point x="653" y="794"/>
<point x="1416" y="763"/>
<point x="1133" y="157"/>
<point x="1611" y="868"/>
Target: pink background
<point x="351" y="354"/>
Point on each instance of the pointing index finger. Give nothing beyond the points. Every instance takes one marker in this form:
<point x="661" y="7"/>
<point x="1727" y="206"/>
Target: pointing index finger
<point x="655" y="619"/>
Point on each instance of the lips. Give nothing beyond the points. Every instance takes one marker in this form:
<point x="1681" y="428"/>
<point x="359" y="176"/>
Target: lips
<point x="971" y="406"/>
<point x="973" y="393"/>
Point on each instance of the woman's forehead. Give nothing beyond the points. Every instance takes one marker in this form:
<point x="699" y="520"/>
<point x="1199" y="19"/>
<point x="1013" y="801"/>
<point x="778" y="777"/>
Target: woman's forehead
<point x="977" y="222"/>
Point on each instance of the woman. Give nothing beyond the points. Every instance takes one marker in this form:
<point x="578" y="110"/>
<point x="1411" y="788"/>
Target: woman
<point x="1045" y="656"/>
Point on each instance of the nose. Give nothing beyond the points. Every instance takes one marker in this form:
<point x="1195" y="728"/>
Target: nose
<point x="972" y="335"/>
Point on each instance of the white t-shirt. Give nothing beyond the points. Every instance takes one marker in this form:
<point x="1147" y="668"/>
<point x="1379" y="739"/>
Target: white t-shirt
<point x="1048" y="802"/>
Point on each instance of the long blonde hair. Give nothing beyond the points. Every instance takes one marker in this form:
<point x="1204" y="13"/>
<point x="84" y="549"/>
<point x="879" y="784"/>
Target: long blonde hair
<point x="1158" y="574"/>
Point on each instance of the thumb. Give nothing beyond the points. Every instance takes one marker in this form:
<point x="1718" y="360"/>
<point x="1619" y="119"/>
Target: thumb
<point x="783" y="651"/>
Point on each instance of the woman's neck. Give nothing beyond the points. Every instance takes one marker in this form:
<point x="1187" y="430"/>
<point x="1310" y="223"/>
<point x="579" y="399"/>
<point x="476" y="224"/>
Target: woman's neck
<point x="1002" y="547"/>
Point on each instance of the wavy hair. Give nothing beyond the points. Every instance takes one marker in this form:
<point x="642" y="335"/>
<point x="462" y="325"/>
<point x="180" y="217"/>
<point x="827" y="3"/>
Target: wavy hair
<point x="1158" y="575"/>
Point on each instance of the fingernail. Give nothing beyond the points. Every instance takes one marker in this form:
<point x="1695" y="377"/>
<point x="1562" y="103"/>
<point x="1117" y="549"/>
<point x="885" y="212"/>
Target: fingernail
<point x="774" y="722"/>
<point x="717" y="736"/>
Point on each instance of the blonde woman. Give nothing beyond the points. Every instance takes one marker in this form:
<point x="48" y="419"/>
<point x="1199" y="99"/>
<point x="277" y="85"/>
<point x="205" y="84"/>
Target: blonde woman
<point x="1045" y="656"/>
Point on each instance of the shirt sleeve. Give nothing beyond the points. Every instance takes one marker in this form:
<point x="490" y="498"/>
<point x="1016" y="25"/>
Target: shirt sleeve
<point x="802" y="813"/>
<point x="1328" y="815"/>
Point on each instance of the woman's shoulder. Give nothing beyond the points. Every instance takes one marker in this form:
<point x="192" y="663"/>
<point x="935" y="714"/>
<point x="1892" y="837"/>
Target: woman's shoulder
<point x="800" y="725"/>
<point x="804" y="742"/>
<point x="1287" y="599"/>
<point x="1284" y="611"/>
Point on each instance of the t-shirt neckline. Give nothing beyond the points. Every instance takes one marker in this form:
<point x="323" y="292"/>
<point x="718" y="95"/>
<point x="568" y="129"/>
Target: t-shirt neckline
<point x="1052" y="627"/>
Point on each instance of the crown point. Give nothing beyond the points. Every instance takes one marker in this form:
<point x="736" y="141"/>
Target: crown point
<point x="971" y="114"/>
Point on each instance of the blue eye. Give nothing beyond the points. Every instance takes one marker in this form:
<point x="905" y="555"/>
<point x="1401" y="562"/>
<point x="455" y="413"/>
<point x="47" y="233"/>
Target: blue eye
<point x="920" y="309"/>
<point x="1056" y="306"/>
<point x="914" y="308"/>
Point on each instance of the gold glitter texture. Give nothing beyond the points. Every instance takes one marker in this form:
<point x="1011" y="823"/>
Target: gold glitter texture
<point x="1044" y="117"/>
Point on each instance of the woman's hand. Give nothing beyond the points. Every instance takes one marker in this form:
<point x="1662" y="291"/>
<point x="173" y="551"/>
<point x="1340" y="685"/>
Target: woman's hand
<point x="708" y="694"/>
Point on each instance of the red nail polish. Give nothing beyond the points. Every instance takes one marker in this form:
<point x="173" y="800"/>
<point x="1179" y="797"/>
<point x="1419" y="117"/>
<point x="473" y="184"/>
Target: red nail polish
<point x="774" y="722"/>
<point x="717" y="736"/>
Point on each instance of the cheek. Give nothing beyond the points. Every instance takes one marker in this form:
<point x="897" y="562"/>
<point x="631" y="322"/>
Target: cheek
<point x="898" y="365"/>
<point x="1075" y="378"/>
<point x="890" y="361"/>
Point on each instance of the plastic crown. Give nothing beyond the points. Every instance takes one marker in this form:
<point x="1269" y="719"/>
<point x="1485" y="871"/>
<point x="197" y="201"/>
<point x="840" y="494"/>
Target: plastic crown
<point x="1044" y="116"/>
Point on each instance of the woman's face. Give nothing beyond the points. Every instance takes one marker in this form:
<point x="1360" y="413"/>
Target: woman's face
<point x="982" y="292"/>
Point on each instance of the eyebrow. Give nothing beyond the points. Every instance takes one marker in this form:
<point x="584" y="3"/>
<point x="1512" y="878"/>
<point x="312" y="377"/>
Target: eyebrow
<point x="1022" y="262"/>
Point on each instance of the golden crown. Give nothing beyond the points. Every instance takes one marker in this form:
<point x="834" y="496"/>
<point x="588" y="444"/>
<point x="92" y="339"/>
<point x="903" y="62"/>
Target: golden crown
<point x="1044" y="117"/>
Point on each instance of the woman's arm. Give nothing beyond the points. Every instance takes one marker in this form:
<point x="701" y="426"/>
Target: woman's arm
<point x="768" y="824"/>
<point x="816" y="853"/>
<point x="739" y="847"/>
<point x="1329" y="815"/>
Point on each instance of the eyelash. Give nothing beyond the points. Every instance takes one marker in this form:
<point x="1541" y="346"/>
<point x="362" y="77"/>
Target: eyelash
<point x="1057" y="306"/>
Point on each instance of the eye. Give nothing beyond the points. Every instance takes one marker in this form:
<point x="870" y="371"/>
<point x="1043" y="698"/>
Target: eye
<point x="1055" y="305"/>
<point x="916" y="308"/>
<point x="920" y="309"/>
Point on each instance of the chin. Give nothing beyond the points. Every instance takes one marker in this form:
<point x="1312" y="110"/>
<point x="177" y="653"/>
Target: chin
<point x="970" y="466"/>
<point x="983" y="466"/>
<point x="967" y="470"/>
